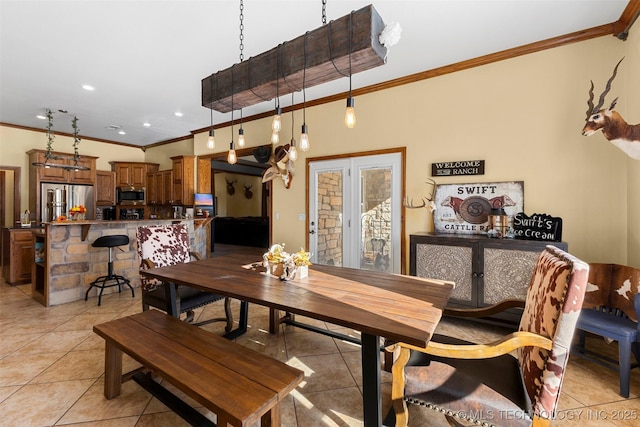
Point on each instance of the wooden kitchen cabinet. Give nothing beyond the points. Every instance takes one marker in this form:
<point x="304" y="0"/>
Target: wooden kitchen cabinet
<point x="183" y="180"/>
<point x="160" y="188"/>
<point x="485" y="270"/>
<point x="132" y="173"/>
<point x="105" y="188"/>
<point x="17" y="254"/>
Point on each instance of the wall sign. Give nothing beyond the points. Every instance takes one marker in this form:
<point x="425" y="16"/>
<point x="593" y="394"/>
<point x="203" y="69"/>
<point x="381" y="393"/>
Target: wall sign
<point x="465" y="208"/>
<point x="460" y="167"/>
<point x="537" y="227"/>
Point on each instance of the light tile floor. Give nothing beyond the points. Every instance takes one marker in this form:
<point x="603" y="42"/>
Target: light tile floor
<point x="51" y="371"/>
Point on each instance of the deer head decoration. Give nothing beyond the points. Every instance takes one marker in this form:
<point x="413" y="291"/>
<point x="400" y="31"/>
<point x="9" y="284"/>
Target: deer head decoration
<point x="231" y="190"/>
<point x="617" y="131"/>
<point x="247" y="190"/>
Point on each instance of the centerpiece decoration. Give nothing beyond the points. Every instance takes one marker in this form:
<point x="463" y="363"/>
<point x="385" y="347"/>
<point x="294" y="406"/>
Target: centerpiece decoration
<point x="77" y="213"/>
<point x="285" y="265"/>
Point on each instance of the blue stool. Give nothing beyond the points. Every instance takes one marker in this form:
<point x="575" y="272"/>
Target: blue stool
<point x="103" y="281"/>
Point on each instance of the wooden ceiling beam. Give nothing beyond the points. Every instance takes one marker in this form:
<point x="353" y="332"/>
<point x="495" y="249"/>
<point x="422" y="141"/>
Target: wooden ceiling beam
<point x="280" y="71"/>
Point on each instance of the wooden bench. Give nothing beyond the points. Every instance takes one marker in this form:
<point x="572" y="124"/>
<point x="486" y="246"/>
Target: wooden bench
<point x="239" y="385"/>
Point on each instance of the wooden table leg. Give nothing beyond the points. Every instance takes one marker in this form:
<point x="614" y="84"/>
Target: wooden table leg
<point x="271" y="418"/>
<point x="112" y="371"/>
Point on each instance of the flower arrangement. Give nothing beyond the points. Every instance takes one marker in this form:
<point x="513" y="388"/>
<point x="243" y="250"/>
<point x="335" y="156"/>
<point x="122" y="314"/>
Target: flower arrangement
<point x="78" y="212"/>
<point x="283" y="264"/>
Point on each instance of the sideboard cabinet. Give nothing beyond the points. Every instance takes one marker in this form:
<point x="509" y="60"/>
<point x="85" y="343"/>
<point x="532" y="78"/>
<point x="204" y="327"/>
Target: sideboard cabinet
<point x="485" y="270"/>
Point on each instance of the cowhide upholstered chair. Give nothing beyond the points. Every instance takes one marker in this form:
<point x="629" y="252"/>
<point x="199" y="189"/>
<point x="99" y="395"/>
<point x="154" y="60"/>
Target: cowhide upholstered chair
<point x="611" y="310"/>
<point x="485" y="384"/>
<point x="163" y="245"/>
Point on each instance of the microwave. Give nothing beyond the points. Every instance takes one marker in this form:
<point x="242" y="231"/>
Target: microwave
<point x="130" y="195"/>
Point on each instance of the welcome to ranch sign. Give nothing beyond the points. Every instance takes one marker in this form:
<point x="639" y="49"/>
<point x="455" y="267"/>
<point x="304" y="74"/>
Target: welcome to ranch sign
<point x="465" y="208"/>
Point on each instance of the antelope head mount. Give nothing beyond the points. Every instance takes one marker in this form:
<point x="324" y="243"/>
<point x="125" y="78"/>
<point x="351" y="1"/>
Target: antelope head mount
<point x="617" y="131"/>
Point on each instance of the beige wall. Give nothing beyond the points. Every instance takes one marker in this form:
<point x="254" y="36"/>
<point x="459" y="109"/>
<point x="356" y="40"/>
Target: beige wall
<point x="523" y="116"/>
<point x="632" y="115"/>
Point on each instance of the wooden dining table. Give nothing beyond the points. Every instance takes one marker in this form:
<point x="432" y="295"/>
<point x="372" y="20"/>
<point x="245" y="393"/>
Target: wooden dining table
<point x="397" y="307"/>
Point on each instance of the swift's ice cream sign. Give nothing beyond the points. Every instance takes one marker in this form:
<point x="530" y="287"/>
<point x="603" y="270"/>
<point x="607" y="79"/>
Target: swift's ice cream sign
<point x="465" y="208"/>
<point x="468" y="167"/>
<point x="537" y="227"/>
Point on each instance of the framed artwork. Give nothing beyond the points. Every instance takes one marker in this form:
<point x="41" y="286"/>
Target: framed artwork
<point x="465" y="208"/>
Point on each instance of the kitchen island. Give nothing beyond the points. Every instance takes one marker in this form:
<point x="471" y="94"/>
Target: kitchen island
<point x="66" y="263"/>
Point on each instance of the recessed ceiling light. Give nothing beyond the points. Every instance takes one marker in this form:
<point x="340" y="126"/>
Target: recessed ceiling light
<point x="178" y="114"/>
<point x="146" y="124"/>
<point x="41" y="117"/>
<point x="87" y="87"/>
<point x="121" y="132"/>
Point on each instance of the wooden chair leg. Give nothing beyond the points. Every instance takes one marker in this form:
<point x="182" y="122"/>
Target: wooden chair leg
<point x="624" y="361"/>
<point x="397" y="387"/>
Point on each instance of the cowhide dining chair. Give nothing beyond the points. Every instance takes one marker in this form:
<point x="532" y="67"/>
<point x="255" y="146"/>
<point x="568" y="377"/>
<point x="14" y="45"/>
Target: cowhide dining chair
<point x="163" y="245"/>
<point x="485" y="384"/>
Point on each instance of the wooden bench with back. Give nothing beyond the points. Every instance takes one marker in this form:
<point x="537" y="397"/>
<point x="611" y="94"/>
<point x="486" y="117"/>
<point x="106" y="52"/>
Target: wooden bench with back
<point x="238" y="384"/>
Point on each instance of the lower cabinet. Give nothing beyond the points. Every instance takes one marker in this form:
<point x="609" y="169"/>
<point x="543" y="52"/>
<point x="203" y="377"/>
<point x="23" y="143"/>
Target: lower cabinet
<point x="17" y="254"/>
<point x="485" y="270"/>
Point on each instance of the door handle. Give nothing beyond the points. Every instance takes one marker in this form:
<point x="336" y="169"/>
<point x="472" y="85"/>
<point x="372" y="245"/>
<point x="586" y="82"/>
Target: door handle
<point x="312" y="232"/>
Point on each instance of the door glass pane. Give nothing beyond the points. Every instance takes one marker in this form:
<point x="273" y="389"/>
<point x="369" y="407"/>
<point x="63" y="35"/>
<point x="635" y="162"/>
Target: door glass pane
<point x="329" y="215"/>
<point x="375" y="219"/>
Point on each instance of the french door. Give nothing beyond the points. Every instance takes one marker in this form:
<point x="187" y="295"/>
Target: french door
<point x="355" y="212"/>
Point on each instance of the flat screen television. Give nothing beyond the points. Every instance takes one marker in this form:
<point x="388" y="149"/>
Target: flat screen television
<point x="203" y="204"/>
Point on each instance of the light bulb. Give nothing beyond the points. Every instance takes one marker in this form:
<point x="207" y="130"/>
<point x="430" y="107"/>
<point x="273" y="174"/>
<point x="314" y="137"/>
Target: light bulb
<point x="304" y="138"/>
<point x="276" y="124"/>
<point x="211" y="142"/>
<point x="350" y="114"/>
<point x="231" y="157"/>
<point x="240" y="137"/>
<point x="293" y="153"/>
<point x="275" y="137"/>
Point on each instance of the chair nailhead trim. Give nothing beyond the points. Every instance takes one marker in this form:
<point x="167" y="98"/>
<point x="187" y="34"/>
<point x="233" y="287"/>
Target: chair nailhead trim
<point x="459" y="415"/>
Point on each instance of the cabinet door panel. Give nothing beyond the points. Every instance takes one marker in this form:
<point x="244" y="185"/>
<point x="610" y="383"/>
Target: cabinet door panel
<point x="448" y="263"/>
<point x="507" y="273"/>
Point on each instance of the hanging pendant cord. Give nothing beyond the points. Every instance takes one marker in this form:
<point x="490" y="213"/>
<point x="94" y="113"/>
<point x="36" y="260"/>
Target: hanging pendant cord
<point x="241" y="45"/>
<point x="324" y="12"/>
<point x="304" y="79"/>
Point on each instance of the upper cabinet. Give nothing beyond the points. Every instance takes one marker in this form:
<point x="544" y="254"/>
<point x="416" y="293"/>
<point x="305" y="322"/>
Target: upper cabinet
<point x="183" y="180"/>
<point x="105" y="188"/>
<point x="132" y="173"/>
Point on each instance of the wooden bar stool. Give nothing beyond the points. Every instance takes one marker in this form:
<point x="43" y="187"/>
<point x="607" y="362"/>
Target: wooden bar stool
<point x="110" y="279"/>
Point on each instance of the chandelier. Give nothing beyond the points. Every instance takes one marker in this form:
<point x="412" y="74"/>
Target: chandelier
<point x="340" y="48"/>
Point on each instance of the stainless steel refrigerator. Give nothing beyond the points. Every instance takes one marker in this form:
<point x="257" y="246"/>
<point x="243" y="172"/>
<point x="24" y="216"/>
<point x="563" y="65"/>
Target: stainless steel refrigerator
<point x="58" y="199"/>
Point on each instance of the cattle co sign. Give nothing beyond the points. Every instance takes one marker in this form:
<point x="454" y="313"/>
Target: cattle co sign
<point x="465" y="208"/>
<point x="467" y="167"/>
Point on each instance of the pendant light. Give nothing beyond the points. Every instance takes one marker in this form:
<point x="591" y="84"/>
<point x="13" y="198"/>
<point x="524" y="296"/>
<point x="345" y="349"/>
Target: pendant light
<point x="211" y="141"/>
<point x="350" y="113"/>
<point x="293" y="152"/>
<point x="304" y="137"/>
<point x="241" y="130"/>
<point x="231" y="157"/>
<point x="276" y="124"/>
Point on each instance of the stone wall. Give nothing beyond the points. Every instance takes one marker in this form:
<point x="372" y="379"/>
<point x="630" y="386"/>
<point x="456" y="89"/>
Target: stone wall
<point x="73" y="263"/>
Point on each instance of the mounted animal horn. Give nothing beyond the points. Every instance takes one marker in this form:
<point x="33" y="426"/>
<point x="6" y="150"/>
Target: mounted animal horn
<point x="592" y="109"/>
